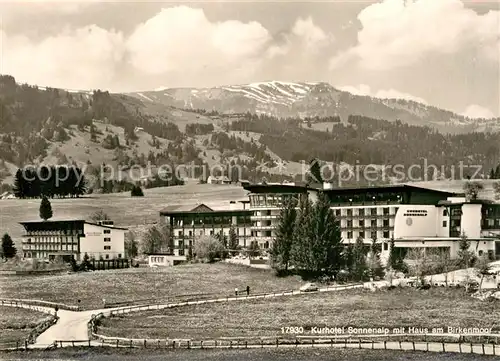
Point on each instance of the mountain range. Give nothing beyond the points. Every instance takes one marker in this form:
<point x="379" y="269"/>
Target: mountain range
<point x="260" y="126"/>
<point x="311" y="99"/>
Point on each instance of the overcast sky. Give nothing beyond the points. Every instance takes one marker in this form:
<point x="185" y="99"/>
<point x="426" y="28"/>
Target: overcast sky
<point x="441" y="52"/>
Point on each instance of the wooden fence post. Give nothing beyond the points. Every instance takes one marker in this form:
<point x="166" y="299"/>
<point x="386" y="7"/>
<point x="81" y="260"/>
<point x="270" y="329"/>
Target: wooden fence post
<point x="145" y="344"/>
<point x="26" y="345"/>
<point x="173" y="344"/>
<point x="201" y="344"/>
<point x="189" y="344"/>
<point x="117" y="343"/>
<point x="385" y="344"/>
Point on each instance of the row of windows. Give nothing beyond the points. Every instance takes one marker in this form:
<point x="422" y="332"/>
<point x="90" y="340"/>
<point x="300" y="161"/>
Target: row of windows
<point x="106" y="256"/>
<point x="209" y="221"/>
<point x="372" y="234"/>
<point x="43" y="240"/>
<point x="67" y="232"/>
<point x="373" y="223"/>
<point x="364" y="211"/>
<point x="51" y="247"/>
<point x="491" y="222"/>
<point x="238" y="231"/>
<point x="271" y="200"/>
<point x="157" y="259"/>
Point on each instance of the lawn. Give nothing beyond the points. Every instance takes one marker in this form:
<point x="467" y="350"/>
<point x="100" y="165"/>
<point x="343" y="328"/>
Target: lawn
<point x="123" y="209"/>
<point x="357" y="308"/>
<point x="17" y="323"/>
<point x="145" y="283"/>
<point x="104" y="354"/>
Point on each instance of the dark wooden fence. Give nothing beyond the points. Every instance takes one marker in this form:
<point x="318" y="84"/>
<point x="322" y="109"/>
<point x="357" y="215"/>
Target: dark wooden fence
<point x="381" y="343"/>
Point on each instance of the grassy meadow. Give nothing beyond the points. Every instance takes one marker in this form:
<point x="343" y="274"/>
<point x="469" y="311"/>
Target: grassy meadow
<point x="406" y="307"/>
<point x="17" y="323"/>
<point x="105" y="354"/>
<point x="145" y="284"/>
<point x="121" y="207"/>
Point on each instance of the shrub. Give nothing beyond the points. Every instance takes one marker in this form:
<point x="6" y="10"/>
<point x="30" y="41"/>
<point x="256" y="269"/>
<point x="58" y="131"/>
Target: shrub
<point x="137" y="192"/>
<point x="208" y="249"/>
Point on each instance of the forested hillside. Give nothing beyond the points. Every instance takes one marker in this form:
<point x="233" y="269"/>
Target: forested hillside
<point x="55" y="126"/>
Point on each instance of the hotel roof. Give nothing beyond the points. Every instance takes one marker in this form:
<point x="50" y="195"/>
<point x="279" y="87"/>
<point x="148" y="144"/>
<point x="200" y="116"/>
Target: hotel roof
<point x="258" y="188"/>
<point x="200" y="208"/>
<point x="61" y="221"/>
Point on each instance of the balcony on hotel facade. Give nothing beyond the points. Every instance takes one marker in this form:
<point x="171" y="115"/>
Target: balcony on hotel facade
<point x="271" y="200"/>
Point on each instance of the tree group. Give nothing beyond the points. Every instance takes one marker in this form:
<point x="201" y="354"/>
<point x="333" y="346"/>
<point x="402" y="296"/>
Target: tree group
<point x="60" y="181"/>
<point x="308" y="239"/>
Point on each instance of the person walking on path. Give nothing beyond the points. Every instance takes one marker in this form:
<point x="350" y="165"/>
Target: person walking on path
<point x="248" y="290"/>
<point x="236" y="291"/>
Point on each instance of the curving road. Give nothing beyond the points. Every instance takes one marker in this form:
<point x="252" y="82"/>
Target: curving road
<point x="73" y="326"/>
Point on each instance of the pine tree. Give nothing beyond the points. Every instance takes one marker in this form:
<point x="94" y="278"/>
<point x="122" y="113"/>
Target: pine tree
<point x="317" y="245"/>
<point x="360" y="267"/>
<point x="349" y="258"/>
<point x="301" y="255"/>
<point x="392" y="261"/>
<point x="8" y="248"/>
<point x="326" y="238"/>
<point x="465" y="256"/>
<point x="282" y="245"/>
<point x="74" y="266"/>
<point x="222" y="238"/>
<point x="20" y="184"/>
<point x="45" y="209"/>
<point x="234" y="244"/>
<point x="376" y="269"/>
<point x="253" y="249"/>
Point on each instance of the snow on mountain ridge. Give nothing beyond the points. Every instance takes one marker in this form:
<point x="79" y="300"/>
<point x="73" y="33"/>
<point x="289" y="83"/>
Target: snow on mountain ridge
<point x="278" y="92"/>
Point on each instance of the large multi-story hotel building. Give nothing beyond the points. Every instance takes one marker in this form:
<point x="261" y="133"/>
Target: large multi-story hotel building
<point x="67" y="238"/>
<point x="187" y="223"/>
<point x="414" y="217"/>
